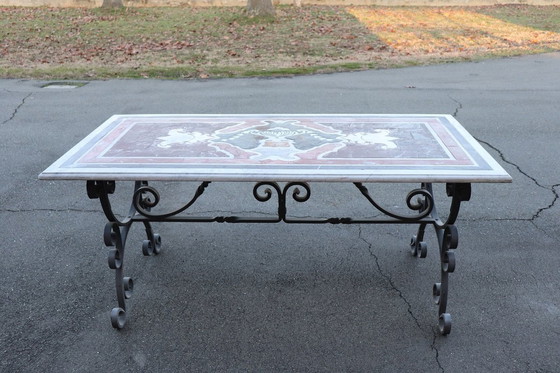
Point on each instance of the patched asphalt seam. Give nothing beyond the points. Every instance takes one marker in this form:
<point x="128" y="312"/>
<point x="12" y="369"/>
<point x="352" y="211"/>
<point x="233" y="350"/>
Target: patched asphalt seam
<point x="401" y="295"/>
<point x="16" y="109"/>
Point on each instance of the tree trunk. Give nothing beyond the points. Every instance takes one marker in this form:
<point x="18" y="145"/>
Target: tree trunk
<point x="112" y="4"/>
<point x="259" y="8"/>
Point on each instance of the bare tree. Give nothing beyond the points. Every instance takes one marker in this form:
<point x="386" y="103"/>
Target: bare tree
<point x="259" y="8"/>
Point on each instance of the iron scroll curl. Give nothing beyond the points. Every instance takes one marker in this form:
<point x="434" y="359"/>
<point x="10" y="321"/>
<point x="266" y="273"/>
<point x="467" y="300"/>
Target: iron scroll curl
<point x="419" y="199"/>
<point x="262" y="192"/>
<point x="147" y="197"/>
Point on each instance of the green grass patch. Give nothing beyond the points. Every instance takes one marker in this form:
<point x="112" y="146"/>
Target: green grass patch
<point x="186" y="42"/>
<point x="545" y="18"/>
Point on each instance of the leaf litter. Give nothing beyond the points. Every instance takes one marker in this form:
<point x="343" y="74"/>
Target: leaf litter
<point x="186" y="42"/>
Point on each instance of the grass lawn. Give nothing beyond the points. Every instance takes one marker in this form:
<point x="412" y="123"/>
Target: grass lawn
<point x="178" y="43"/>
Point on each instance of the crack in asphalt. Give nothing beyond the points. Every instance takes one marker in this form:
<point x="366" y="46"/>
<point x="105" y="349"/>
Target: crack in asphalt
<point x="459" y="106"/>
<point x="401" y="296"/>
<point x="17" y="108"/>
<point x="49" y="210"/>
<point x="434" y="347"/>
<point x="552" y="188"/>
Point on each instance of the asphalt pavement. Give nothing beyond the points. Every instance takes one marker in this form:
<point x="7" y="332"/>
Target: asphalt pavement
<point x="278" y="297"/>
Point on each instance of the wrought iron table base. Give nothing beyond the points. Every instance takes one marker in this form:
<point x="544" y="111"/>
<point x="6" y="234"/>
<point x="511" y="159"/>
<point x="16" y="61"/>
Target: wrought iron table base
<point x="145" y="197"/>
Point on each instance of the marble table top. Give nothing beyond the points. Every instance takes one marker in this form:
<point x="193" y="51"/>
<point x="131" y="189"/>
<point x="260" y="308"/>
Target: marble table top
<point x="278" y="147"/>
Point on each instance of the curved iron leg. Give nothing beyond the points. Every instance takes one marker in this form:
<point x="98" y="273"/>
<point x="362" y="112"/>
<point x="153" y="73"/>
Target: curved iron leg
<point x="448" y="240"/>
<point x="115" y="235"/>
<point x="115" y="239"/>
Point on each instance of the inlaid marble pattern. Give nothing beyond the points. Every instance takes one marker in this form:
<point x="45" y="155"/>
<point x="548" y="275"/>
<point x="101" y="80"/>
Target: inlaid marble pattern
<point x="279" y="147"/>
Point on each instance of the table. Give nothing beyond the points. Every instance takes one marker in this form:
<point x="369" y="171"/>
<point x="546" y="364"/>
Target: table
<point x="282" y="155"/>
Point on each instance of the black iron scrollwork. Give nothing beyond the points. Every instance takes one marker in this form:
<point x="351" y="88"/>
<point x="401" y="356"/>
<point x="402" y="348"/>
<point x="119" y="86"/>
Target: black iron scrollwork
<point x="101" y="190"/>
<point x="299" y="195"/>
<point x="420" y="200"/>
<point x="147" y="197"/>
<point x="459" y="192"/>
<point x="448" y="239"/>
<point x="115" y="236"/>
<point x="263" y="192"/>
